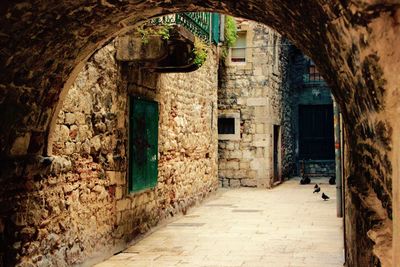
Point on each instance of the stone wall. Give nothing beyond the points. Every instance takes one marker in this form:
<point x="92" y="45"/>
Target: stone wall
<point x="82" y="211"/>
<point x="257" y="91"/>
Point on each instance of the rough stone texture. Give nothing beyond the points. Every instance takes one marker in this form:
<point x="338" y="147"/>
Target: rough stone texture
<point x="258" y="91"/>
<point x="44" y="45"/>
<point x="82" y="209"/>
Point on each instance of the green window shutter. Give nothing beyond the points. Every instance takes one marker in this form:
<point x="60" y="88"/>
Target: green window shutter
<point x="143" y="144"/>
<point x="215" y="27"/>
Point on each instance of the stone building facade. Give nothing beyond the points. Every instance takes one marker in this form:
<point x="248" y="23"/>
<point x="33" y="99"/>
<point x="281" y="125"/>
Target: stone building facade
<point x="312" y="117"/>
<point x="83" y="211"/>
<point x="254" y="95"/>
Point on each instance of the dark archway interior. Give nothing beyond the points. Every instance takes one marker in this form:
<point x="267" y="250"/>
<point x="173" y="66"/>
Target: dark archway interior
<point x="43" y="45"/>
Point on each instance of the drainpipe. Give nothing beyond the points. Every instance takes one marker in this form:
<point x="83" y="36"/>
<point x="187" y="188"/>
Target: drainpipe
<point x="210" y="30"/>
<point x="338" y="160"/>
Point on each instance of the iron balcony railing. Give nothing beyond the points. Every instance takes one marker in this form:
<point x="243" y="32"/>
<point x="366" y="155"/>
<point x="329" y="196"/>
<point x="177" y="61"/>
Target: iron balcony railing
<point x="199" y="23"/>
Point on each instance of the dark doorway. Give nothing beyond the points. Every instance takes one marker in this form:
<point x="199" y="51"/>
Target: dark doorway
<point x="316" y="132"/>
<point x="277" y="153"/>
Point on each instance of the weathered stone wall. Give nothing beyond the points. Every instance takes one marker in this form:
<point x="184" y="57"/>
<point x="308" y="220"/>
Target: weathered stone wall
<point x="258" y="91"/>
<point x="82" y="211"/>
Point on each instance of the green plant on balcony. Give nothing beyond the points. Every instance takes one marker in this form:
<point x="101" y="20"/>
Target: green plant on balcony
<point x="161" y="30"/>
<point x="200" y="51"/>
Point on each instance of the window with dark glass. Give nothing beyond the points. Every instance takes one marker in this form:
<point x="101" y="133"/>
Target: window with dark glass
<point x="226" y="125"/>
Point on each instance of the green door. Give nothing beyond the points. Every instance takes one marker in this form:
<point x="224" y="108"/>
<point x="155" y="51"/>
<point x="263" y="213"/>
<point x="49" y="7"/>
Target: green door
<point x="143" y="144"/>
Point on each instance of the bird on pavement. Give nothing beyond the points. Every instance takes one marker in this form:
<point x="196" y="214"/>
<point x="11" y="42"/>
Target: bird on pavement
<point x="324" y="197"/>
<point x="317" y="190"/>
<point x="316" y="186"/>
<point x="332" y="180"/>
<point x="305" y="180"/>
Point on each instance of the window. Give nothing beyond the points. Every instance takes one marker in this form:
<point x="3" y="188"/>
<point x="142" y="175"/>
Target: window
<point x="143" y="144"/>
<point x="229" y="126"/>
<point x="313" y="73"/>
<point x="238" y="51"/>
<point x="316" y="132"/>
<point x="226" y="126"/>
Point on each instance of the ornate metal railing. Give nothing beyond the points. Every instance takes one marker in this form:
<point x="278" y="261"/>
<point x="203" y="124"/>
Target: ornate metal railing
<point x="196" y="22"/>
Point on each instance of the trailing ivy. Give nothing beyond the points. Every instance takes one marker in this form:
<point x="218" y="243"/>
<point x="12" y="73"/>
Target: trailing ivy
<point x="199" y="51"/>
<point x="230" y="35"/>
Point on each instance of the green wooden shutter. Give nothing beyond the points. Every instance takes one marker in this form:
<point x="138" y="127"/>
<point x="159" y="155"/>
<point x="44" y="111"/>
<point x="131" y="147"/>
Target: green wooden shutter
<point x="143" y="144"/>
<point x="215" y="27"/>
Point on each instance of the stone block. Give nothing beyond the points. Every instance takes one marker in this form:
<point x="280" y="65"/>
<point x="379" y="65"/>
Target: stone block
<point x="234" y="183"/>
<point x="248" y="154"/>
<point x="260" y="144"/>
<point x="221" y="173"/>
<point x="80" y="118"/>
<point x="119" y="192"/>
<point x="260" y="137"/>
<point x="236" y="154"/>
<point x="240" y="174"/>
<point x="95" y="143"/>
<point x="260" y="152"/>
<point x="69" y="148"/>
<point x="229" y="173"/>
<point x="241" y="101"/>
<point x="84" y="132"/>
<point x="232" y="165"/>
<point x="244" y="165"/>
<point x="261" y="112"/>
<point x="115" y="178"/>
<point x="69" y="118"/>
<point x="247" y="138"/>
<point x="123" y="204"/>
<point x="259" y="128"/>
<point x="252" y="174"/>
<point x="257" y="101"/>
<point x="248" y="182"/>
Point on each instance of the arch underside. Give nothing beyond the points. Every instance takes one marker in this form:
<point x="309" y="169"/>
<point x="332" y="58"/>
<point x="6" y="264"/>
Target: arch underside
<point x="44" y="45"/>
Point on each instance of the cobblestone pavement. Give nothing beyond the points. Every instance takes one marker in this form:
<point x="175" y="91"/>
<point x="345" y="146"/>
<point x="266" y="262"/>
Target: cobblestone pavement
<point x="285" y="226"/>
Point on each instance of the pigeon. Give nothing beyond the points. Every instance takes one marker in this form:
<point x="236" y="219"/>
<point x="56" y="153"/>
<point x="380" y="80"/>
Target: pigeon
<point x="317" y="190"/>
<point x="324" y="197"/>
<point x="305" y="180"/>
<point x="332" y="180"/>
<point x="316" y="186"/>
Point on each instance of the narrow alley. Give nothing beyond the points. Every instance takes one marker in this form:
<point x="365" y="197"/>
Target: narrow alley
<point x="285" y="226"/>
<point x="167" y="133"/>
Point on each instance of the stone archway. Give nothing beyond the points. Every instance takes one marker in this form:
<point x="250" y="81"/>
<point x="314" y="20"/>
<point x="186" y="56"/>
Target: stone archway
<point x="353" y="42"/>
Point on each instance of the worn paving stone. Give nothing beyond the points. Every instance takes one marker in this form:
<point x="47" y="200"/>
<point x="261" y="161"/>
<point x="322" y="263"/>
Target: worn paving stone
<point x="293" y="228"/>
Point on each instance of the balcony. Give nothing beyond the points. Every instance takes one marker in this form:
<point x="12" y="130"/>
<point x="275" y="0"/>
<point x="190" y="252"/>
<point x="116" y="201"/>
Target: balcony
<point x="197" y="23"/>
<point x="168" y="49"/>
